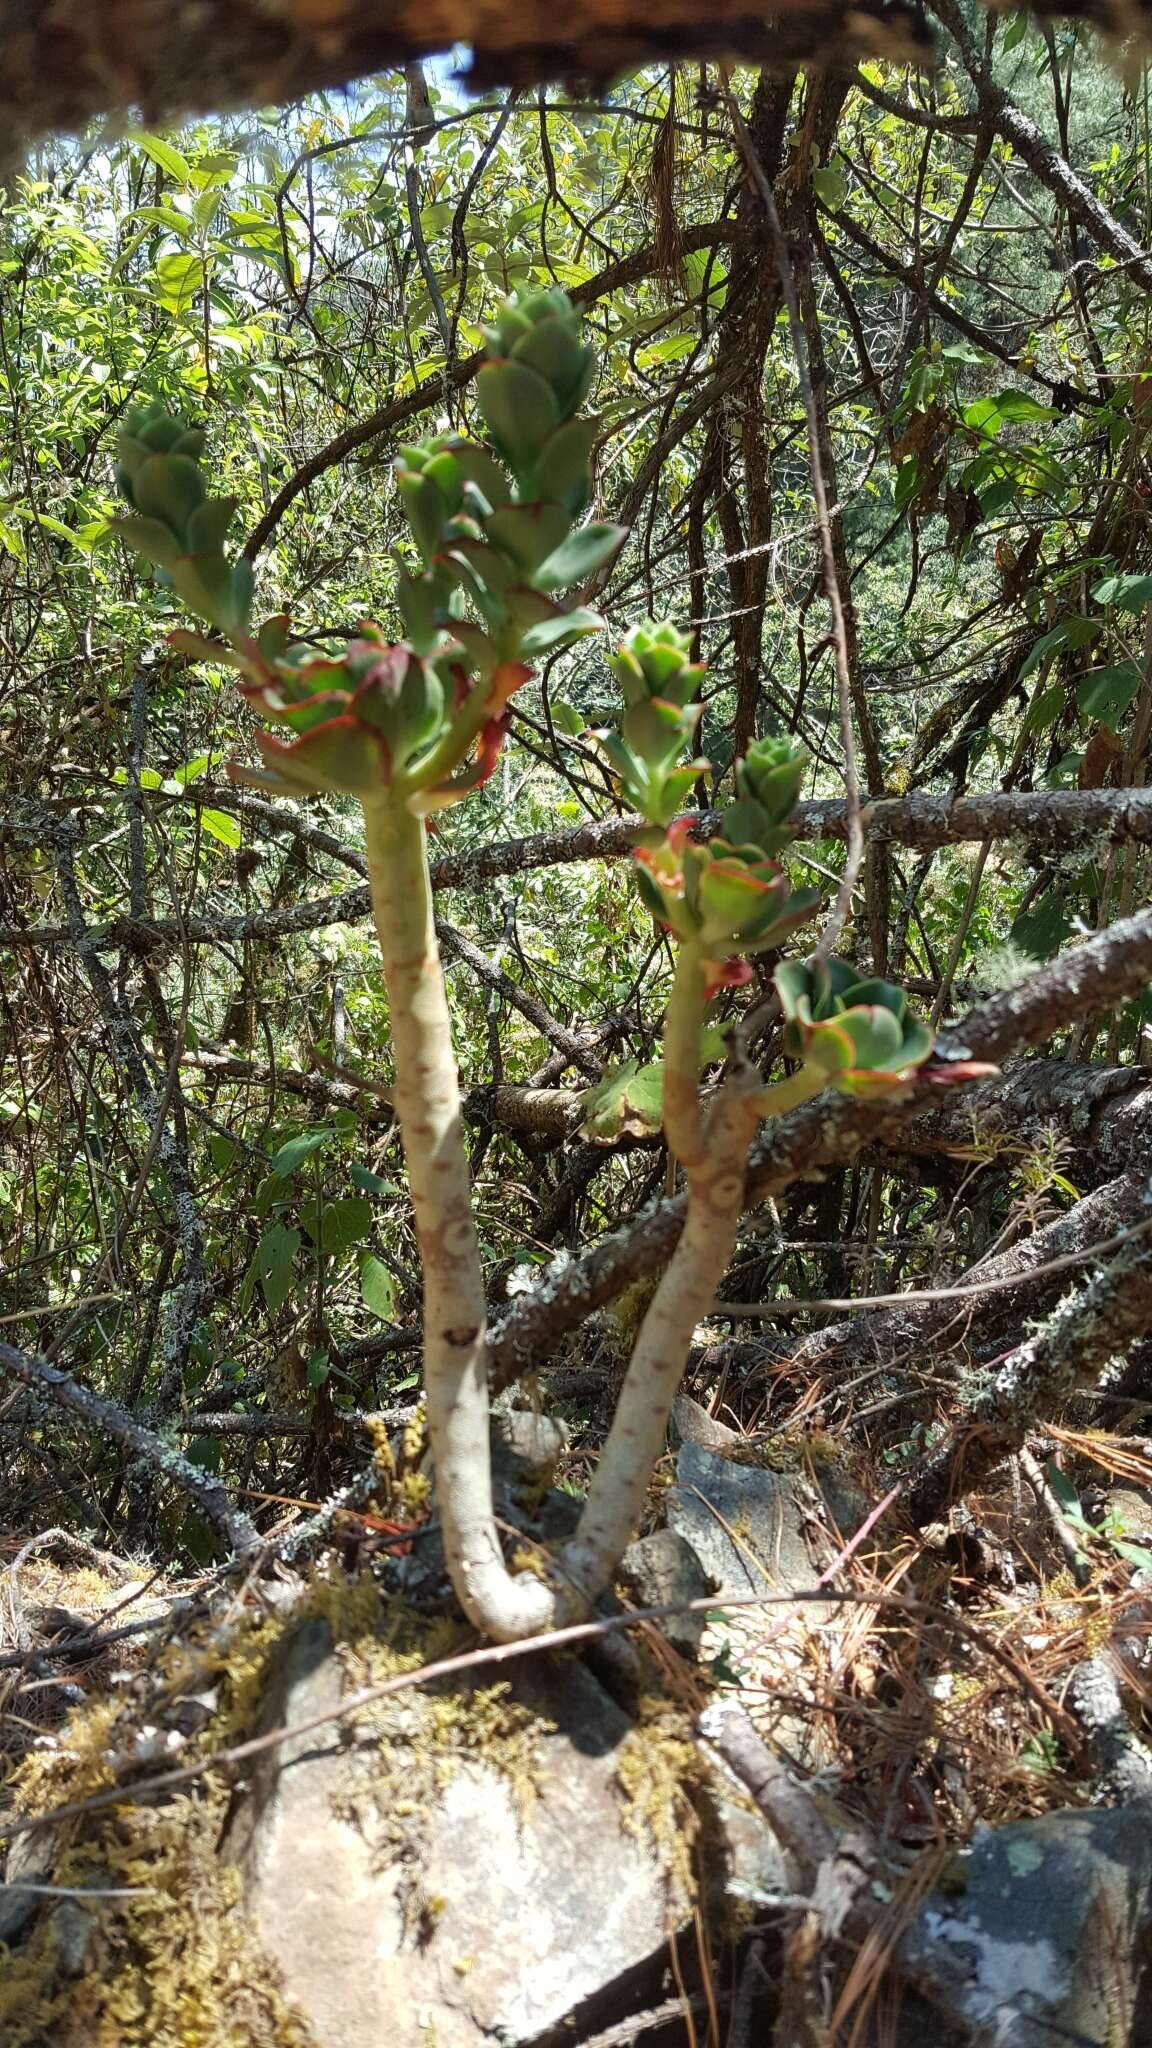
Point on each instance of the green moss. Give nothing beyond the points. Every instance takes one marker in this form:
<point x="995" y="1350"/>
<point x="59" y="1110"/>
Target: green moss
<point x="664" y="1779"/>
<point x="173" y="1964"/>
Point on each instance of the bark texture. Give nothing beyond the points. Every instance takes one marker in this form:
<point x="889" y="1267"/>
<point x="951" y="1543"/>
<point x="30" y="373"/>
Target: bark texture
<point x="69" y="62"/>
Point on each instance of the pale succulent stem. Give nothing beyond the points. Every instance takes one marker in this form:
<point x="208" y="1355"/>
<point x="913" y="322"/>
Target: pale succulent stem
<point x="427" y="1101"/>
<point x="616" y="1497"/>
<point x="683" y="1027"/>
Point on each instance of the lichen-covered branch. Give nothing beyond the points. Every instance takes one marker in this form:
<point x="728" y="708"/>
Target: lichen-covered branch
<point x="1068" y="1353"/>
<point x="104" y="1418"/>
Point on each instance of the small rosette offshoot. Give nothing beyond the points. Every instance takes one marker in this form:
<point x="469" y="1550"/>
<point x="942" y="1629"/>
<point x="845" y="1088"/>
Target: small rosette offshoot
<point x="174" y="522"/>
<point x="731" y="898"/>
<point x="499" y="526"/>
<point x="660" y="684"/>
<point x="852" y="1034"/>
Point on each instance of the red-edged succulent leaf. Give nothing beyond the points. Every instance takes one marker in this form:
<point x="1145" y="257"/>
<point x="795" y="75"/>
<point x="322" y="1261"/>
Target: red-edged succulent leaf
<point x="731" y="973"/>
<point x="505" y="681"/>
<point x="341" y="755"/>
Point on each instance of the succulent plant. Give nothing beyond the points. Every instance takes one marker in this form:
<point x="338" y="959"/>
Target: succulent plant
<point x="768" y="782"/>
<point x="858" y="1034"/>
<point x="357" y="717"/>
<point x="494" y="531"/>
<point x="728" y="900"/>
<point x="538" y="374"/>
<point x="174" y="522"/>
<point x="660" y="684"/>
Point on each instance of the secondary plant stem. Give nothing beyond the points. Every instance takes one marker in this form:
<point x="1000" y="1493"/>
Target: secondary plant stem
<point x="683" y="1118"/>
<point x="635" y="1441"/>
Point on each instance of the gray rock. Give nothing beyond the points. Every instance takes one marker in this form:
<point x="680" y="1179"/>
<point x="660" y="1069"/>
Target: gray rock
<point x="30" y="1858"/>
<point x="475" y="1918"/>
<point x="662" y="1570"/>
<point x="692" y="1424"/>
<point x="756" y="1530"/>
<point x="744" y="1523"/>
<point x="1043" y="1933"/>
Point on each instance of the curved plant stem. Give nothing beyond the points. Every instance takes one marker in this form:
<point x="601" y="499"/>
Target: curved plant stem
<point x="616" y="1496"/>
<point x="427" y="1102"/>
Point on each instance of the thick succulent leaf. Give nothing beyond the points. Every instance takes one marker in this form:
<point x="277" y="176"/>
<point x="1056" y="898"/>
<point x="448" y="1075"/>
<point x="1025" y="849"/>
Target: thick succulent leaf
<point x="629" y="674"/>
<point x="772" y="773"/>
<point x="553" y="349"/>
<point x="744" y="822"/>
<point x="303" y="717"/>
<point x="481" y="651"/>
<point x="663" y="666"/>
<point x="243" y="585"/>
<point x="208" y="524"/>
<point x="519" y="410"/>
<point x="444" y="471"/>
<point x="490" y="572"/>
<point x="919" y="1042"/>
<point x="483" y="471"/>
<point x="509" y="677"/>
<point x="529" y="607"/>
<point x="882" y="992"/>
<point x="416" y="599"/>
<point x="793" y="984"/>
<point x="656" y="730"/>
<point x="581" y="555"/>
<point x="342" y="755"/>
<point x="257" y="778"/>
<point x="563" y="469"/>
<point x="528" y="534"/>
<point x="833" y="979"/>
<point x="552" y="634"/>
<point x="182" y="641"/>
<point x="732" y="896"/>
<point x="272" y="638"/>
<point x="148" y="537"/>
<point x="772" y="928"/>
<point x="168" y="487"/>
<point x="874" y="1084"/>
<point x="425" y="509"/>
<point x="876" y="1035"/>
<point x="830" y="1047"/>
<point x="677" y="787"/>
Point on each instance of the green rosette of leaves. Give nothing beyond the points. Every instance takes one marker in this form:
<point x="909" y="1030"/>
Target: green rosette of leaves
<point x="732" y="897"/>
<point x="856" y="1035"/>
<point x="660" y="684"/>
<point x="174" y="523"/>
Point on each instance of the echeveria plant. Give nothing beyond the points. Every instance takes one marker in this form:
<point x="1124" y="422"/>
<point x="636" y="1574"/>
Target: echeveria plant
<point x="856" y="1035"/>
<point x="410" y="727"/>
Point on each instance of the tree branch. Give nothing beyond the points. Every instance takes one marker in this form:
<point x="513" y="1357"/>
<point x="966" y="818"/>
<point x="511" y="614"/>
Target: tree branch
<point x="105" y="1418"/>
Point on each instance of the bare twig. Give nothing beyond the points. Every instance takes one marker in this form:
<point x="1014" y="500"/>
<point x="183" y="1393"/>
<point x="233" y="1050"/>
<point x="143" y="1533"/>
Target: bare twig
<point x="854" y="830"/>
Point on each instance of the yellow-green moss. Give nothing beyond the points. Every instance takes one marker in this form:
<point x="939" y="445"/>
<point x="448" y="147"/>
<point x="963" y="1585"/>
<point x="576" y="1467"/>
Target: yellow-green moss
<point x="665" y="1783"/>
<point x="173" y="1965"/>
